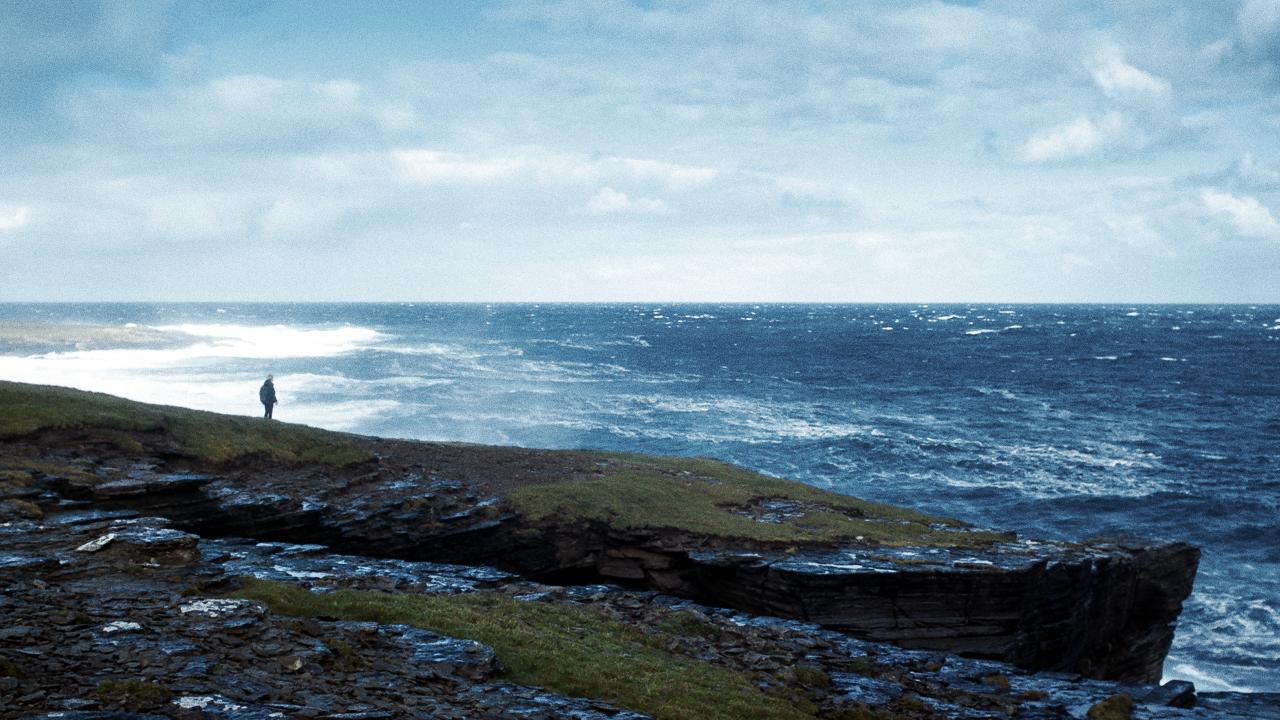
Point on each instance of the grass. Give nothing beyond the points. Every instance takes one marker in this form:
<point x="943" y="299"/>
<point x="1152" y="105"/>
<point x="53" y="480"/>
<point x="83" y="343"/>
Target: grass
<point x="707" y="497"/>
<point x="214" y="438"/>
<point x="695" y="495"/>
<point x="574" y="651"/>
<point x="132" y="695"/>
<point x="683" y="622"/>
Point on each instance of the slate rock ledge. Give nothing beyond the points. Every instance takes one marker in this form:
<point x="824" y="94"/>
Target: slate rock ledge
<point x="697" y="529"/>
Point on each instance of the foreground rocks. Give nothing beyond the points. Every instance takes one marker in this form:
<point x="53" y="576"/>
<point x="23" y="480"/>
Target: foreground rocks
<point x="126" y="617"/>
<point x="118" y="550"/>
<point x="1102" y="609"/>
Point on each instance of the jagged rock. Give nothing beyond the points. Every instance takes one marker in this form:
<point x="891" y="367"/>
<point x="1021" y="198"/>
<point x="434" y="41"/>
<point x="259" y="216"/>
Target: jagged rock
<point x="92" y="619"/>
<point x="1175" y="693"/>
<point x="1099" y="609"/>
<point x="1103" y="610"/>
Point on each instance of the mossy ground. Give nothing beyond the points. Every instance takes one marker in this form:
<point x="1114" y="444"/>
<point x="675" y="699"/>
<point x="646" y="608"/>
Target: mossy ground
<point x="693" y="495"/>
<point x="574" y="651"/>
<point x="132" y="695"/>
<point x="709" y="497"/>
<point x="206" y="436"/>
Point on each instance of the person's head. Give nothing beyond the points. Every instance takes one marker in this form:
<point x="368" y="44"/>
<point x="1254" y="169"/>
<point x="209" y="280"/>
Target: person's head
<point x="271" y="377"/>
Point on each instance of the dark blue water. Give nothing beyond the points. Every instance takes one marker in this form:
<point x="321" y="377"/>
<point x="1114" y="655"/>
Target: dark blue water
<point x="1055" y="421"/>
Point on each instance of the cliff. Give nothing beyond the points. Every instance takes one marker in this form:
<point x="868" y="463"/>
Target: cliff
<point x="718" y="535"/>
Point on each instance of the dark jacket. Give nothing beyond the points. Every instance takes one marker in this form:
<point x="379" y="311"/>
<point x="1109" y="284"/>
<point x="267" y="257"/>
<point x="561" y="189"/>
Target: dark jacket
<point x="267" y="394"/>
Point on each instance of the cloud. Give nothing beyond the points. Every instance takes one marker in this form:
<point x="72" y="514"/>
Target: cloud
<point x="1259" y="23"/>
<point x="43" y="45"/>
<point x="675" y="177"/>
<point x="1075" y="139"/>
<point x="1119" y="80"/>
<point x="611" y="202"/>
<point x="538" y="165"/>
<point x="12" y="219"/>
<point x="429" y="167"/>
<point x="1248" y="216"/>
<point x="1254" y="174"/>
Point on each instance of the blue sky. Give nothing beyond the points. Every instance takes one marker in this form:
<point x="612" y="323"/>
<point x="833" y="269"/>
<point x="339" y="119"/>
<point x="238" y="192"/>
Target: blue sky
<point x="615" y="150"/>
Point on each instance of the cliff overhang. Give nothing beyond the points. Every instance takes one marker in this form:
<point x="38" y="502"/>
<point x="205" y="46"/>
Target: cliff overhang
<point x="711" y="532"/>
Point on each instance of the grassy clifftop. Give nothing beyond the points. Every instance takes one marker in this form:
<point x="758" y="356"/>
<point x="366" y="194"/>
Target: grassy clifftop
<point x="714" y="498"/>
<point x="696" y="496"/>
<point x="27" y="409"/>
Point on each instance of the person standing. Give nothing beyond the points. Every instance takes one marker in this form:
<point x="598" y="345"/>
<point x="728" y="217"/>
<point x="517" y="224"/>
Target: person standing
<point x="267" y="394"/>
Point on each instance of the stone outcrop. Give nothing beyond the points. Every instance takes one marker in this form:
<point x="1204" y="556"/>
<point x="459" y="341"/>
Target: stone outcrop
<point x="1105" y="610"/>
<point x="1100" y="609"/>
<point x="113" y="616"/>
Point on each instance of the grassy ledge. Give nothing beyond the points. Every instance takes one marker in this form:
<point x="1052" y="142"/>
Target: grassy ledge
<point x="714" y="498"/>
<point x="578" y="652"/>
<point x="696" y="496"/>
<point x="26" y="409"/>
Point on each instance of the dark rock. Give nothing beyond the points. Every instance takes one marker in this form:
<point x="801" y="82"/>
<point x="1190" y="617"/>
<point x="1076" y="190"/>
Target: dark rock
<point x="91" y="715"/>
<point x="1175" y="693"/>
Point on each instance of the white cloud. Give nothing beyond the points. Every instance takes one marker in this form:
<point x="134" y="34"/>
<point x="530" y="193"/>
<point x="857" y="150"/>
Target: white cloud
<point x="675" y="177"/>
<point x="15" y="218"/>
<point x="1119" y="80"/>
<point x="1248" y="216"/>
<point x="1259" y="22"/>
<point x="429" y="167"/>
<point x="1253" y="173"/>
<point x="945" y="27"/>
<point x="610" y="202"/>
<point x="187" y="215"/>
<point x="1077" y="138"/>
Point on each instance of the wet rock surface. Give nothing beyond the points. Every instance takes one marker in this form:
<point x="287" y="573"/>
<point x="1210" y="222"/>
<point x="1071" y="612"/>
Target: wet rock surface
<point x="140" y="625"/>
<point x="99" y="634"/>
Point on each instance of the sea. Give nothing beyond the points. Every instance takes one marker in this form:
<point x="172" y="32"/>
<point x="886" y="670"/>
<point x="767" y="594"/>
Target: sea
<point x="1056" y="421"/>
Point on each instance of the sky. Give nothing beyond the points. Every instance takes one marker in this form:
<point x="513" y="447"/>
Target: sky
<point x="619" y="150"/>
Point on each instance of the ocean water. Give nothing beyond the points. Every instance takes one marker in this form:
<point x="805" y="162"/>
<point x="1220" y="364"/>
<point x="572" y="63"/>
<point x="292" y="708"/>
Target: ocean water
<point x="1055" y="421"/>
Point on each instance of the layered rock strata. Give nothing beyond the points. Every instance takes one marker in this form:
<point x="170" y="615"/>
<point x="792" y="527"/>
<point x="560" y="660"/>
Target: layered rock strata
<point x="1101" y="609"/>
<point x="114" y="616"/>
<point x="1104" y="610"/>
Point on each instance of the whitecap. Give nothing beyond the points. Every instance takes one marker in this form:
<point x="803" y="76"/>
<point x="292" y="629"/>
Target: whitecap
<point x="1204" y="681"/>
<point x="982" y="331"/>
<point x="271" y="341"/>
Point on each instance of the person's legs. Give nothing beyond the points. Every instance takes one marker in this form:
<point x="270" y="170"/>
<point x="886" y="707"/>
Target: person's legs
<point x="268" y="413"/>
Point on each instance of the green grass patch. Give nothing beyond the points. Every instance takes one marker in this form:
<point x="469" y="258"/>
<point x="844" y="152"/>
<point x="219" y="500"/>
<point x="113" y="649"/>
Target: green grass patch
<point x="708" y="497"/>
<point x="25" y="409"/>
<point x="132" y="695"/>
<point x="685" y="623"/>
<point x="9" y="668"/>
<point x="22" y="508"/>
<point x="574" y="651"/>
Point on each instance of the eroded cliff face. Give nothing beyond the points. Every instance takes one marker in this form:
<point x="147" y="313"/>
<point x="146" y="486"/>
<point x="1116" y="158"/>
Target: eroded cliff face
<point x="1103" y="610"/>
<point x="113" y="615"/>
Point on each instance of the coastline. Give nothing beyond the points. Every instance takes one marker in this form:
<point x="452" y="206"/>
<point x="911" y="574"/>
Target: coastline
<point x="144" y="460"/>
